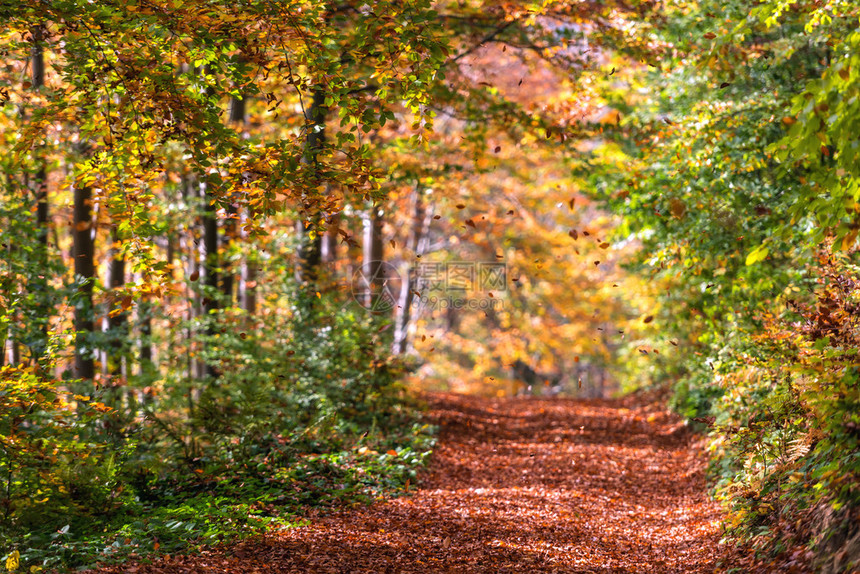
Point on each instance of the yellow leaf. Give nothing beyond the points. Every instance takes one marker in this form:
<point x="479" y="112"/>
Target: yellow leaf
<point x="757" y="254"/>
<point x="13" y="560"/>
<point x="848" y="240"/>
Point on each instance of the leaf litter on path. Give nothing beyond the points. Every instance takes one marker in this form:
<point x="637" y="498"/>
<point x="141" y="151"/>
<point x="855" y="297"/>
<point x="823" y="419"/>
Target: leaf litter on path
<point x="516" y="485"/>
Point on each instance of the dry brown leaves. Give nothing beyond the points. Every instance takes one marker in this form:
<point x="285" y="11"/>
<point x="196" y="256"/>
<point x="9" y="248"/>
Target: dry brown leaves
<point x="518" y="485"/>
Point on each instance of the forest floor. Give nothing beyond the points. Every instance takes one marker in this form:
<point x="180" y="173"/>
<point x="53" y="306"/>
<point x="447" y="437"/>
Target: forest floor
<point x="515" y="485"/>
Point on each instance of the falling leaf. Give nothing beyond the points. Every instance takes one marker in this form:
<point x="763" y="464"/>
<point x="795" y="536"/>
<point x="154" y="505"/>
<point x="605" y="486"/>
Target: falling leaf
<point x="648" y="319"/>
<point x="393" y="244"/>
<point x="437" y="217"/>
<point x="604" y="245"/>
<point x="573" y="233"/>
<point x="710" y="36"/>
<point x="677" y="207"/>
<point x="471" y="223"/>
<point x="725" y="85"/>
<point x="461" y="206"/>
<point x="391" y="452"/>
<point x="498" y="149"/>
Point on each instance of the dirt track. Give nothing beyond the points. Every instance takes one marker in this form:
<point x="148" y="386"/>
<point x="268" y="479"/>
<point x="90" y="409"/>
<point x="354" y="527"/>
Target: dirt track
<point x="517" y="485"/>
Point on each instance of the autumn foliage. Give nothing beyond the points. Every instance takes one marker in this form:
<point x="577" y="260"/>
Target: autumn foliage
<point x="238" y="237"/>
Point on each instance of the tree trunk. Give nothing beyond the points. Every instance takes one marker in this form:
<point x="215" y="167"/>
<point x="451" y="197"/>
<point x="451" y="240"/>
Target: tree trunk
<point x="84" y="247"/>
<point x="371" y="267"/>
<point x="37" y="79"/>
<point x="227" y="235"/>
<point x="310" y="247"/>
<point x="409" y="284"/>
<point x="118" y="323"/>
<point x="248" y="276"/>
<point x="248" y="286"/>
<point x="40" y="284"/>
<point x="328" y="252"/>
<point x="145" y="319"/>
<point x="210" y="265"/>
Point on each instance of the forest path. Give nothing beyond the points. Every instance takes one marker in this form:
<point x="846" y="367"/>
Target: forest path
<point x="518" y="485"/>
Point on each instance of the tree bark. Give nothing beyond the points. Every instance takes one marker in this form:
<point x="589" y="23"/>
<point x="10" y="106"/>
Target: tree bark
<point x="210" y="265"/>
<point x="371" y="267"/>
<point x="248" y="276"/>
<point x="248" y="286"/>
<point x="409" y="284"/>
<point x="310" y="246"/>
<point x="40" y="285"/>
<point x="118" y="323"/>
<point x="84" y="248"/>
<point x="328" y="252"/>
<point x="145" y="318"/>
<point x="37" y="78"/>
